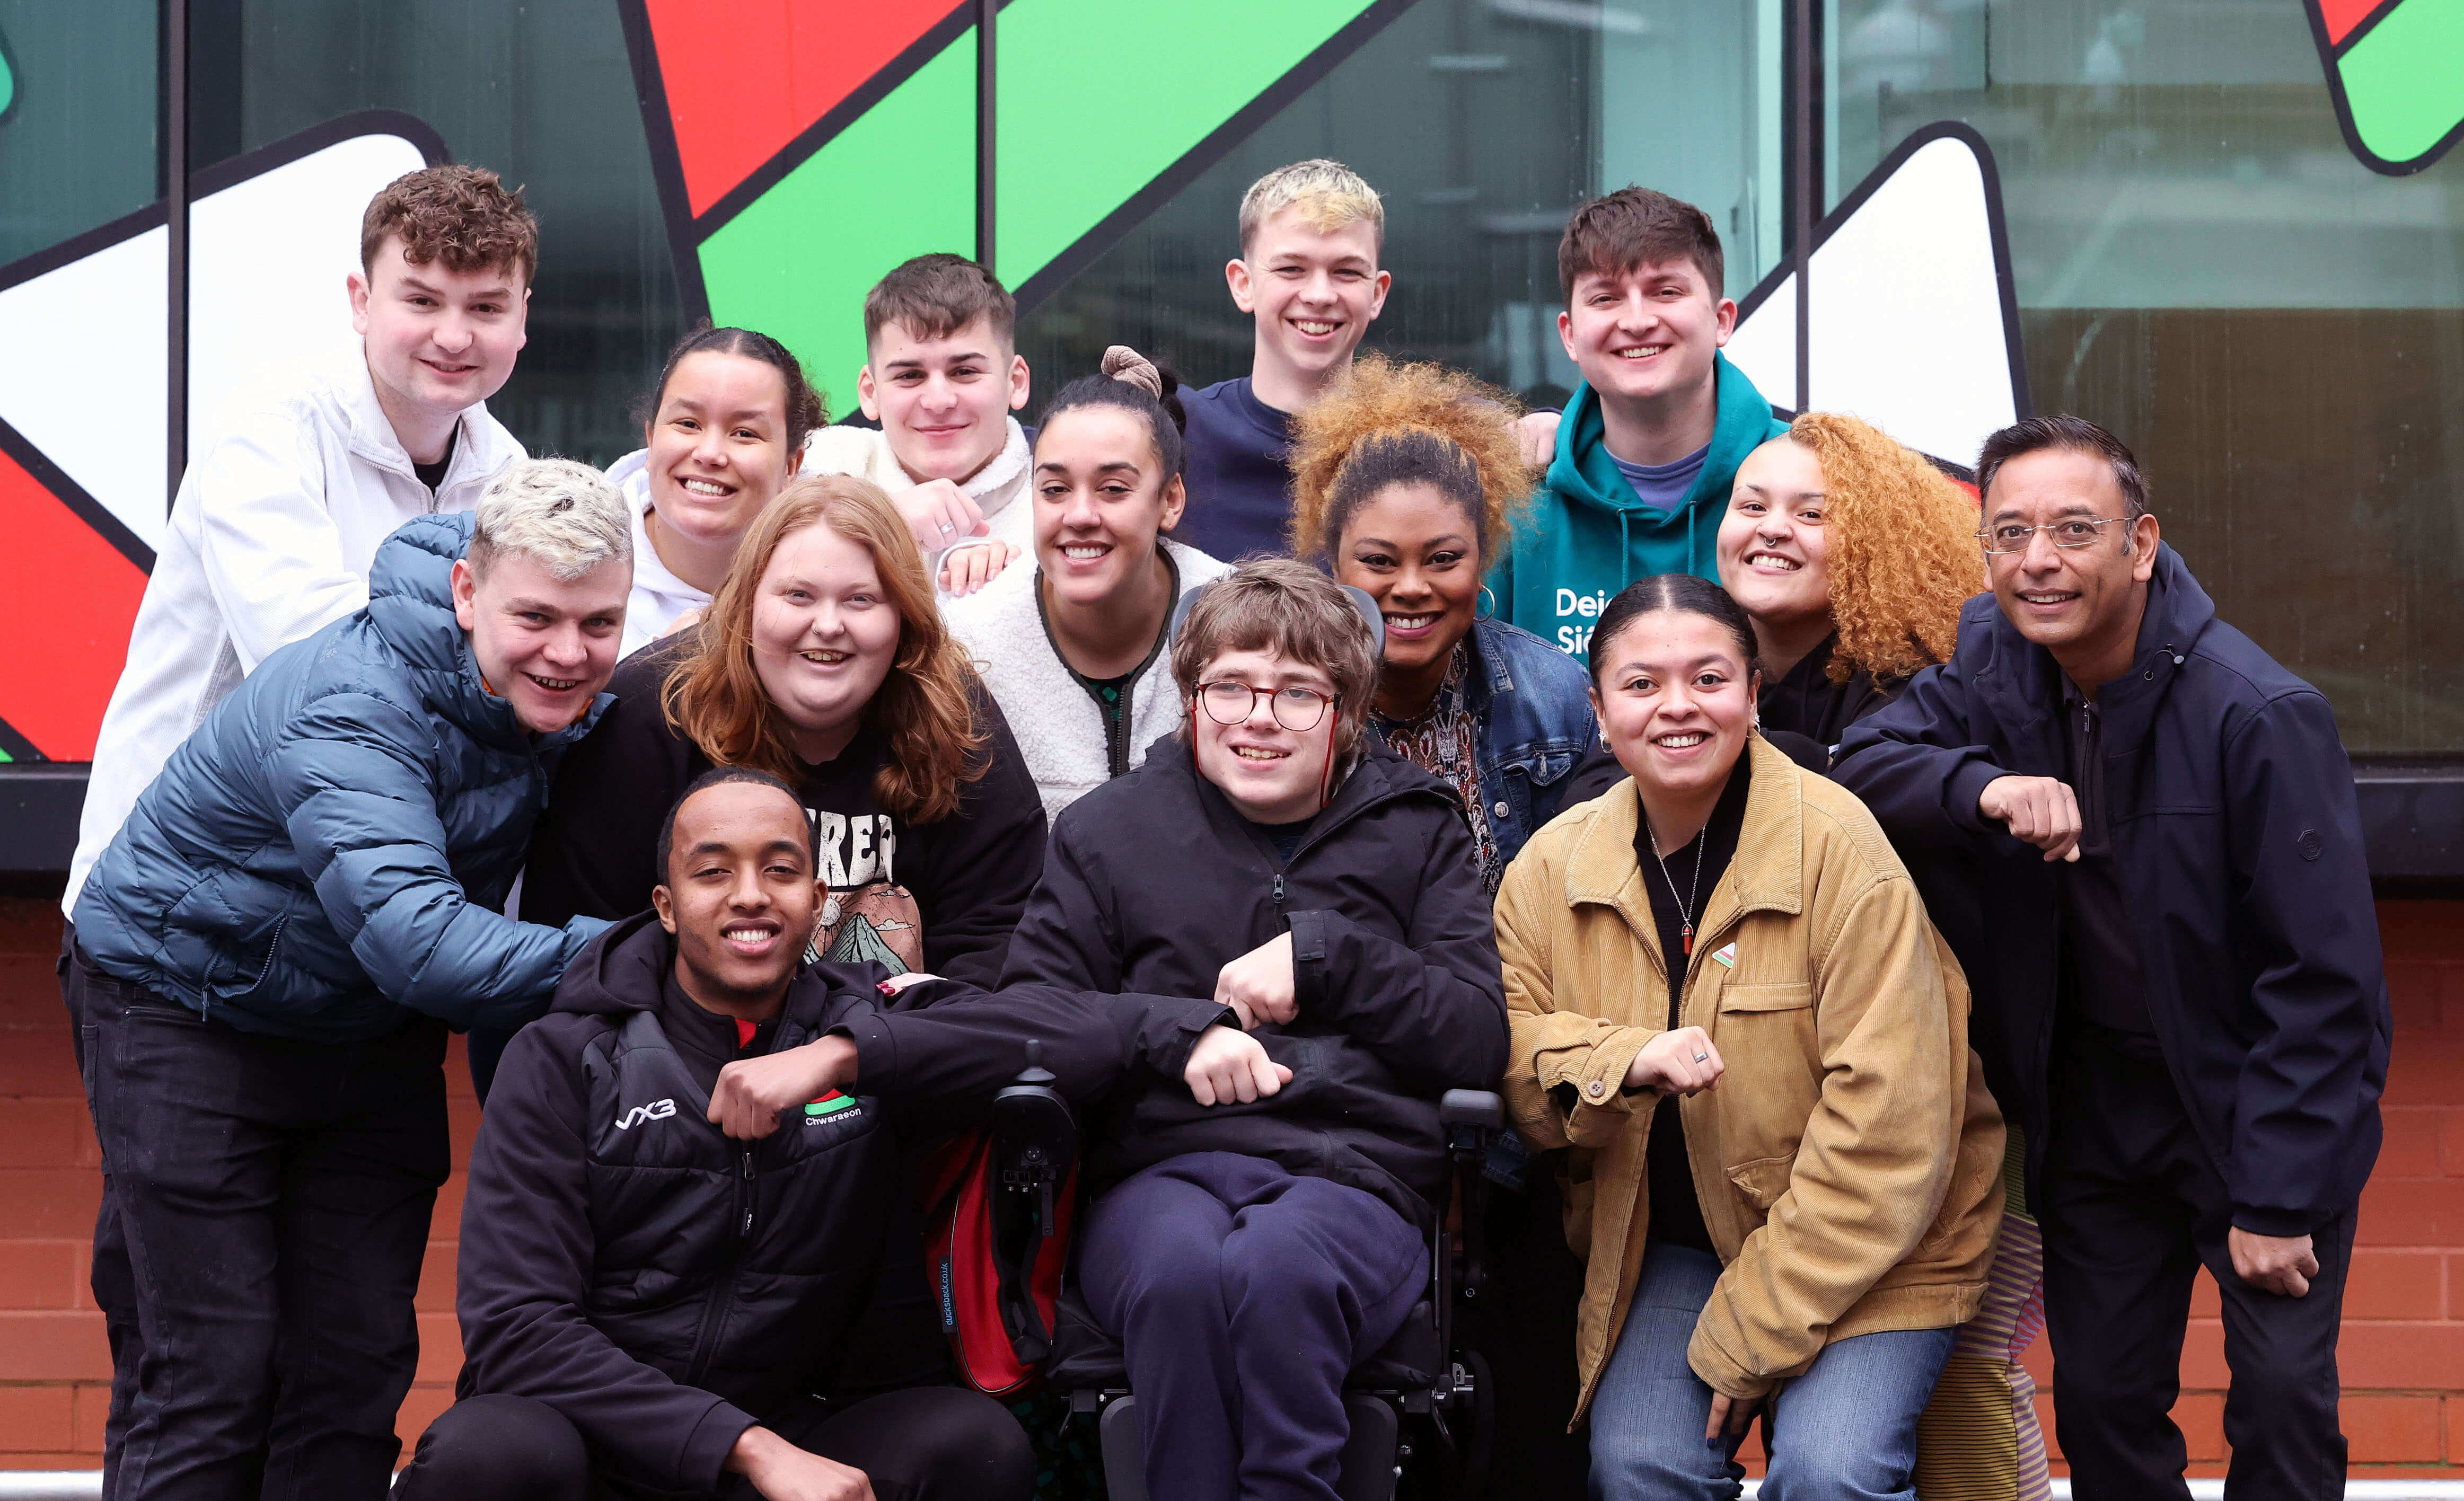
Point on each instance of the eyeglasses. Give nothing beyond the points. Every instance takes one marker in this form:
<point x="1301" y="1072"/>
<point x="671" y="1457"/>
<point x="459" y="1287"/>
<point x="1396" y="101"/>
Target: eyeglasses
<point x="1296" y="709"/>
<point x="2076" y="532"/>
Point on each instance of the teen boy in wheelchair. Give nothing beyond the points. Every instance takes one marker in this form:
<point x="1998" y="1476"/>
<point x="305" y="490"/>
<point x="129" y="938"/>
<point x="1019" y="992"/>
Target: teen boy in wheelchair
<point x="1263" y="1181"/>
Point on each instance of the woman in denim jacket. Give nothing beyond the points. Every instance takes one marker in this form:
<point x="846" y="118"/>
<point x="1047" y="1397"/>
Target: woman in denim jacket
<point x="1405" y="481"/>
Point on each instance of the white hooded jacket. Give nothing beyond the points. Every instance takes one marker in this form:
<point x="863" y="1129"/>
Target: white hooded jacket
<point x="271" y="538"/>
<point x="1060" y="731"/>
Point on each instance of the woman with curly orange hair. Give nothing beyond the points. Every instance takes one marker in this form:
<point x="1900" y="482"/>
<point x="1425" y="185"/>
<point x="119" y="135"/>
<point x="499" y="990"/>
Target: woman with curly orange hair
<point x="1405" y="480"/>
<point x="1853" y="554"/>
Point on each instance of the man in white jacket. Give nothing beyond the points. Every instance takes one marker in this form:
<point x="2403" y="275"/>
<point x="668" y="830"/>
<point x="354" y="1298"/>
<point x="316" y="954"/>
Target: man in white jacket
<point x="941" y="375"/>
<point x="276" y="525"/>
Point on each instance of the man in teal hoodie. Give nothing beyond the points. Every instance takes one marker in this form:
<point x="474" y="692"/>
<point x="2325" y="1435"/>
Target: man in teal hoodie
<point x="1651" y="439"/>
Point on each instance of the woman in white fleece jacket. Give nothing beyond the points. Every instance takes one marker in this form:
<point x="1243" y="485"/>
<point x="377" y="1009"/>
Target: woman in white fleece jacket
<point x="1073" y="648"/>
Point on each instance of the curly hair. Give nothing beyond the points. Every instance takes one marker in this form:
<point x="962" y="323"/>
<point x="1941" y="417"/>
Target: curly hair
<point x="1387" y="424"/>
<point x="1900" y="545"/>
<point x="462" y="216"/>
<point x="924" y="709"/>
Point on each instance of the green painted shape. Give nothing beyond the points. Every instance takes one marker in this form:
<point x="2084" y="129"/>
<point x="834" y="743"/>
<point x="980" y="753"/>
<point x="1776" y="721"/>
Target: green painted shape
<point x="1065" y="161"/>
<point x="2404" y="80"/>
<point x="829" y="1107"/>
<point x="8" y="97"/>
<point x="898" y="183"/>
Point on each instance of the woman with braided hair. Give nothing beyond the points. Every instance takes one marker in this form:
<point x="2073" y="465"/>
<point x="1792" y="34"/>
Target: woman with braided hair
<point x="1406" y="480"/>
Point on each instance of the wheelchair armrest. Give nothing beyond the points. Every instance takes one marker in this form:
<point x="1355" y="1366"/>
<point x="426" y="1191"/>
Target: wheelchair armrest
<point x="1476" y="1109"/>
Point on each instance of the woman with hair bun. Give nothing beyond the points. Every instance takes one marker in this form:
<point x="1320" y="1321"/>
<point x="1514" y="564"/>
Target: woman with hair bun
<point x="1073" y="649"/>
<point x="1406" y="480"/>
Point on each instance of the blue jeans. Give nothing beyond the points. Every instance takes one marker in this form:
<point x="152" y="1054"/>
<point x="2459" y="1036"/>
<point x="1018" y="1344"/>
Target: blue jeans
<point x="1845" y="1430"/>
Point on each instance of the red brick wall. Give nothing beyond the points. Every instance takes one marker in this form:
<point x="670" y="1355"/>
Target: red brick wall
<point x="2402" y="1352"/>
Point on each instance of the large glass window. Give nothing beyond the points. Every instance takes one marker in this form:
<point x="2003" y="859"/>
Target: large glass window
<point x="79" y="106"/>
<point x="2203" y="266"/>
<point x="542" y="93"/>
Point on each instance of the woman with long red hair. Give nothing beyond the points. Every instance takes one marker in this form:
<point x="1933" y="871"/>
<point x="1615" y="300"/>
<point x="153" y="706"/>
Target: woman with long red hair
<point x="822" y="660"/>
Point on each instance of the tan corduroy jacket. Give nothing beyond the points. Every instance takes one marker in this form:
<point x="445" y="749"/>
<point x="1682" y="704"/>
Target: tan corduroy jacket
<point x="1849" y="1161"/>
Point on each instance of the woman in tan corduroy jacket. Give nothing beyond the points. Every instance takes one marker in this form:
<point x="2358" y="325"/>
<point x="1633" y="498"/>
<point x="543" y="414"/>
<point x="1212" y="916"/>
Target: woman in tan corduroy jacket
<point x="1798" y="1095"/>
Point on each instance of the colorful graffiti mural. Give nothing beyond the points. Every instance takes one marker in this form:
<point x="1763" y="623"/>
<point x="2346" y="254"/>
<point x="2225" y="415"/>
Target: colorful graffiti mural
<point x="2396" y="68"/>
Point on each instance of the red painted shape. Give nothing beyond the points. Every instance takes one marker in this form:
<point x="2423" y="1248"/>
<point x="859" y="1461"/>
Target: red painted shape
<point x="74" y="597"/>
<point x="745" y="78"/>
<point x="2341" y="16"/>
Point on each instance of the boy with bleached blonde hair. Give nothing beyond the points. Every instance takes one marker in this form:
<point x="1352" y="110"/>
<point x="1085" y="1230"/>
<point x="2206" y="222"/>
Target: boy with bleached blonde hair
<point x="1311" y="234"/>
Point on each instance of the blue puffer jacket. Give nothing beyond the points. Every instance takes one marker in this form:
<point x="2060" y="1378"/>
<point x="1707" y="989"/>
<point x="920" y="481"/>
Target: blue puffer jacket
<point x="335" y="842"/>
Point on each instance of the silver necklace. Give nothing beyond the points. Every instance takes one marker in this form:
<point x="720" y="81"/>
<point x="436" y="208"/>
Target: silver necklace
<point x="1693" y="885"/>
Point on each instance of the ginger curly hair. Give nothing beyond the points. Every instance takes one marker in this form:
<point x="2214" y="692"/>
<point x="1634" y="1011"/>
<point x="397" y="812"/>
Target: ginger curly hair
<point x="1388" y="423"/>
<point x="1900" y="545"/>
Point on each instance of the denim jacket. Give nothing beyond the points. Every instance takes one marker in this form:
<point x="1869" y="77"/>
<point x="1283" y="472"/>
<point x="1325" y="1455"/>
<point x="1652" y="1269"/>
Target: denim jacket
<point x="1531" y="710"/>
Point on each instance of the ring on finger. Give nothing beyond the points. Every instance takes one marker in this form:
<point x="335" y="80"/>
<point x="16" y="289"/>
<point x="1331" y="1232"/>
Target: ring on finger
<point x="1700" y="1058"/>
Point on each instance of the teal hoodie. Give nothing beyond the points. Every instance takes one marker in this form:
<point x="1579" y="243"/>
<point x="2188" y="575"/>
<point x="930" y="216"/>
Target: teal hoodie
<point x="1589" y="534"/>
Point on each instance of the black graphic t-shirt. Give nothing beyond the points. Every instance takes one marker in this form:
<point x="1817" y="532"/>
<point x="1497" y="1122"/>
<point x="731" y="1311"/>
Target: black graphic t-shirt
<point x="939" y="896"/>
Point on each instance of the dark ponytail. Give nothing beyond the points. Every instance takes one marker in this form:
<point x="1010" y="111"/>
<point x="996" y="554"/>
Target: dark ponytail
<point x="1680" y="594"/>
<point x="807" y="408"/>
<point x="1134" y="383"/>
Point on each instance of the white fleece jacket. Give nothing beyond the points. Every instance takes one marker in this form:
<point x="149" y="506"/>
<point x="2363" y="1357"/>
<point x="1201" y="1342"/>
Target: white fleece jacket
<point x="998" y="489"/>
<point x="1059" y="731"/>
<point x="271" y="538"/>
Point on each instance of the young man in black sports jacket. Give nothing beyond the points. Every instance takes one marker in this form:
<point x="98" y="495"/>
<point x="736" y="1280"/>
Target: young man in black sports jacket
<point x="685" y="1180"/>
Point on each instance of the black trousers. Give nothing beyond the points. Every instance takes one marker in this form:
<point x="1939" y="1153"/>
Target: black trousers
<point x="114" y="1283"/>
<point x="275" y="1199"/>
<point x="2131" y="1209"/>
<point x="925" y="1444"/>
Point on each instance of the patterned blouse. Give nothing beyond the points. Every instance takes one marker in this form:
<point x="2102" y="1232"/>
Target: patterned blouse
<point x="1442" y="740"/>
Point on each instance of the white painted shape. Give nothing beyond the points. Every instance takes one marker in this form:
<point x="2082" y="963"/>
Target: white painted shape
<point x="1907" y="330"/>
<point x="84" y="375"/>
<point x="1764" y="345"/>
<point x="268" y="261"/>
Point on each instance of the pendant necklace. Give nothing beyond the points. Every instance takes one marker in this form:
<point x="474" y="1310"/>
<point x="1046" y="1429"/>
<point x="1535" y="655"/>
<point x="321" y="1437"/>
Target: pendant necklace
<point x="1693" y="885"/>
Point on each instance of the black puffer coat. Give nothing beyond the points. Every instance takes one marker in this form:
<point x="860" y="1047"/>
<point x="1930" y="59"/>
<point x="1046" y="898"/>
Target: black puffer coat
<point x="1152" y="883"/>
<point x="662" y="1286"/>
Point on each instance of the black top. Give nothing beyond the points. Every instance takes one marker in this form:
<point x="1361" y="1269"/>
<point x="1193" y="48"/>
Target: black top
<point x="937" y="896"/>
<point x="2100" y="953"/>
<point x="432" y="475"/>
<point x="1154" y="882"/>
<point x="1805" y="702"/>
<point x="1111" y="695"/>
<point x="1286" y="837"/>
<point x="1240" y="475"/>
<point x="1693" y="873"/>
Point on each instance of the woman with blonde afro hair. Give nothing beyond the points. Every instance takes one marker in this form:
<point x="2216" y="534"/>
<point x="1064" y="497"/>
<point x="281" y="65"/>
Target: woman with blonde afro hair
<point x="1406" y="479"/>
<point x="1853" y="554"/>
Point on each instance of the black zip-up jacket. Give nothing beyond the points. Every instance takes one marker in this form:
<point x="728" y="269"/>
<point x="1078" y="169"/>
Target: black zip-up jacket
<point x="1153" y="883"/>
<point x="2239" y="845"/>
<point x="661" y="1285"/>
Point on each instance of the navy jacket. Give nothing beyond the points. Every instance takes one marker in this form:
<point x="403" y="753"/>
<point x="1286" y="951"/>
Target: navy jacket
<point x="1240" y="475"/>
<point x="1531" y="715"/>
<point x="336" y="841"/>
<point x="2239" y="844"/>
<point x="1152" y="883"/>
<point x="664" y="1288"/>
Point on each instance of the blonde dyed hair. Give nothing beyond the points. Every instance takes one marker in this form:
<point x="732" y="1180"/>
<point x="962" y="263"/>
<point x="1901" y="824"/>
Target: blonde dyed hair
<point x="924" y="710"/>
<point x="1328" y="195"/>
<point x="1899" y="547"/>
<point x="564" y="516"/>
<point x="1386" y="424"/>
